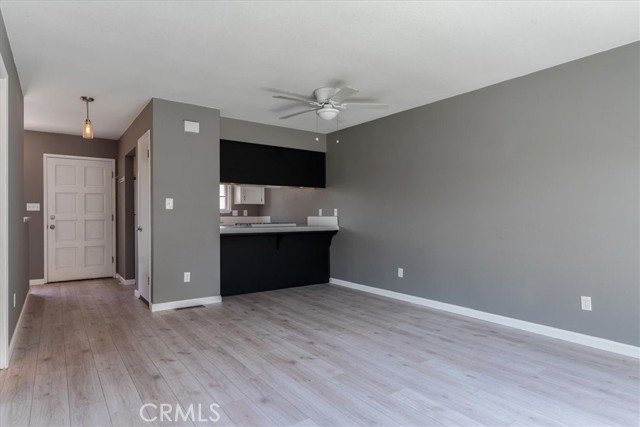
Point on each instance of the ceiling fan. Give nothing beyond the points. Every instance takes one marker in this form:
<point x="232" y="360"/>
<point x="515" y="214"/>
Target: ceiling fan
<point x="328" y="102"/>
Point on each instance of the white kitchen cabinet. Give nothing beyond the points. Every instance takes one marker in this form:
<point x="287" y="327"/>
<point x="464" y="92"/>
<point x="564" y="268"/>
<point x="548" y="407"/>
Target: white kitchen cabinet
<point x="248" y="195"/>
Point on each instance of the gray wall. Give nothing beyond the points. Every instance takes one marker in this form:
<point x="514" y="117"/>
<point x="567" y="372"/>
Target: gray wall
<point x="240" y="130"/>
<point x="252" y="210"/>
<point x="18" y="231"/>
<point x="515" y="199"/>
<point x="294" y="204"/>
<point x="35" y="145"/>
<point x="185" y="167"/>
<point x="126" y="256"/>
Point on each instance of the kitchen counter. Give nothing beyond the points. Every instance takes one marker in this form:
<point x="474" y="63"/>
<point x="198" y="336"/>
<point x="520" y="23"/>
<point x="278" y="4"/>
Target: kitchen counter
<point x="232" y="229"/>
<point x="255" y="259"/>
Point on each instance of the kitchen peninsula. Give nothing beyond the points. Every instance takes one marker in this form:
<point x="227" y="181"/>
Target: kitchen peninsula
<point x="256" y="254"/>
<point x="258" y="258"/>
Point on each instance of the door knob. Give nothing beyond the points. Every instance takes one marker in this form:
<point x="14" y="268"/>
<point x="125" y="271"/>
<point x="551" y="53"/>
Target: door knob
<point x="139" y="228"/>
<point x="53" y="227"/>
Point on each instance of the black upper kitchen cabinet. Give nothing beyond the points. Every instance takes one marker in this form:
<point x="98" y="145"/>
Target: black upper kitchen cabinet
<point x="247" y="163"/>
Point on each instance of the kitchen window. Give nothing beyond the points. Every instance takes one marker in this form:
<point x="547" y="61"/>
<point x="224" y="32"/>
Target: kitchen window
<point x="225" y="198"/>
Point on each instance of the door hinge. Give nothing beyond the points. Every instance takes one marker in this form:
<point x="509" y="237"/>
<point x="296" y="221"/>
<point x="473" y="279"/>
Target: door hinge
<point x="148" y="281"/>
<point x="112" y="174"/>
<point x="112" y="260"/>
<point x="112" y="217"/>
<point x="148" y="154"/>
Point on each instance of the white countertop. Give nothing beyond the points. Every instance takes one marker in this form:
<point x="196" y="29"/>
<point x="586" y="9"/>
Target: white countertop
<point x="255" y="230"/>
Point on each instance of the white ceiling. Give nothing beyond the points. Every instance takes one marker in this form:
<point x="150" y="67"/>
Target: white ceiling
<point x="235" y="55"/>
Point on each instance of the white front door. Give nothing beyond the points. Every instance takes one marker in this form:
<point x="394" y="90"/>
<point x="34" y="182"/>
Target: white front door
<point x="79" y="218"/>
<point x="143" y="216"/>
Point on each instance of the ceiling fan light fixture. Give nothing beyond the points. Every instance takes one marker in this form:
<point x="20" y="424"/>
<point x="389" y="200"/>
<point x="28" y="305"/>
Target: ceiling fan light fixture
<point x="87" y="127"/>
<point x="328" y="113"/>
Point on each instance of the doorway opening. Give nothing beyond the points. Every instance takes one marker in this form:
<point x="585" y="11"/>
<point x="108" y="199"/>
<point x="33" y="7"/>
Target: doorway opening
<point x="142" y="213"/>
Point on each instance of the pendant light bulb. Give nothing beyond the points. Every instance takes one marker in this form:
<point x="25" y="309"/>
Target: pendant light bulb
<point x="87" y="127"/>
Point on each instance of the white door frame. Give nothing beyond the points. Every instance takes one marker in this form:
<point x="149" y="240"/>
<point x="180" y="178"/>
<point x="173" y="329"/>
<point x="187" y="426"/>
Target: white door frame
<point x="4" y="216"/>
<point x="47" y="156"/>
<point x="148" y="243"/>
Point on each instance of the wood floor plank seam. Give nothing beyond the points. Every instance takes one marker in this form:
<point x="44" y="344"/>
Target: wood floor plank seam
<point x="310" y="356"/>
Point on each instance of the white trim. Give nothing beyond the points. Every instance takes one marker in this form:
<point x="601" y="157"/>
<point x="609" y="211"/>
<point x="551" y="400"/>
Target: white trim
<point x="561" y="334"/>
<point x="12" y="344"/>
<point x="184" y="303"/>
<point x="148" y="220"/>
<point x="5" y="350"/>
<point x="36" y="282"/>
<point x="46" y="156"/>
<point x="124" y="281"/>
<point x="136" y="293"/>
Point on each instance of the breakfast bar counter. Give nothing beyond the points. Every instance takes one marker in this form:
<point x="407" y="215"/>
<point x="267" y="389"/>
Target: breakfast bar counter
<point x="255" y="259"/>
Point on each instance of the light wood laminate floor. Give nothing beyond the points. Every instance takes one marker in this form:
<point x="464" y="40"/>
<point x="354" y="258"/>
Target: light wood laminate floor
<point x="89" y="353"/>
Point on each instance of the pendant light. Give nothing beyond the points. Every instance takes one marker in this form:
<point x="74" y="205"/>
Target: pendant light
<point x="87" y="127"/>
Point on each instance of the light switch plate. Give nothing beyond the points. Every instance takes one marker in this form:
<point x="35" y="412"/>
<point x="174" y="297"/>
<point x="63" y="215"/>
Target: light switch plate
<point x="191" y="127"/>
<point x="585" y="303"/>
<point x="234" y="213"/>
<point x="187" y="276"/>
<point x="33" y="207"/>
<point x="168" y="203"/>
<point x="400" y="272"/>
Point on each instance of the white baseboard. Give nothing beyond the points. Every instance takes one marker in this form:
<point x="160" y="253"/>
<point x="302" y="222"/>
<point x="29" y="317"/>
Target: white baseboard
<point x="184" y="303"/>
<point x="124" y="281"/>
<point x="36" y="282"/>
<point x="12" y="343"/>
<point x="136" y="293"/>
<point x="562" y="334"/>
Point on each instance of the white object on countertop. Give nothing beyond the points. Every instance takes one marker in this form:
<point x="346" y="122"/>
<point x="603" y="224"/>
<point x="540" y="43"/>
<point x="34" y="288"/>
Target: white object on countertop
<point x="230" y="220"/>
<point x="322" y="220"/>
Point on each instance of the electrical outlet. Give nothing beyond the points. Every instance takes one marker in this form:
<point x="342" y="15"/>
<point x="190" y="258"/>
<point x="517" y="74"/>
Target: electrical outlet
<point x="245" y="212"/>
<point x="319" y="212"/>
<point x="585" y="302"/>
<point x="400" y="272"/>
<point x="187" y="277"/>
<point x="335" y="212"/>
<point x="168" y="203"/>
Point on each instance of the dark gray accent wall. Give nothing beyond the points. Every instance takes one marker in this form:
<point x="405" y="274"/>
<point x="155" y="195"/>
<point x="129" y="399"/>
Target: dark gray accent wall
<point x="18" y="230"/>
<point x="185" y="167"/>
<point x="35" y="145"/>
<point x="515" y="199"/>
<point x="127" y="144"/>
<point x="257" y="133"/>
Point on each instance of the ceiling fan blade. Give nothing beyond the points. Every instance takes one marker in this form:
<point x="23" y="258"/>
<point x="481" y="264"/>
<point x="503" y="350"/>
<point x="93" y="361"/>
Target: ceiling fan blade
<point x="343" y="94"/>
<point x="298" y="113"/>
<point x="291" y="98"/>
<point x="364" y="105"/>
